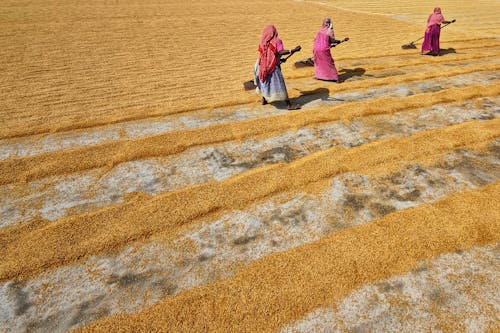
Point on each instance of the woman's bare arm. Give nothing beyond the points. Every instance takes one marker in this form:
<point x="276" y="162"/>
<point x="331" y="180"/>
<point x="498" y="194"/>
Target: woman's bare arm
<point x="285" y="52"/>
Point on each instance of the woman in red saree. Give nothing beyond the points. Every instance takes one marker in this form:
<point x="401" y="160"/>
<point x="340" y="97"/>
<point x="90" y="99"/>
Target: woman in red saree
<point x="268" y="76"/>
<point x="324" y="66"/>
<point x="433" y="31"/>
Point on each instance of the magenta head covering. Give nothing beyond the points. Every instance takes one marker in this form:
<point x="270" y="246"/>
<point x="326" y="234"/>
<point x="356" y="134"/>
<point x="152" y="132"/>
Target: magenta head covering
<point x="435" y="18"/>
<point x="326" y="27"/>
<point x="324" y="36"/>
<point x="326" y="23"/>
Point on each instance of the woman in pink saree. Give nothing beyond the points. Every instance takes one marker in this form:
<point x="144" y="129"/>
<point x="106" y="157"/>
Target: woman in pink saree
<point x="433" y="31"/>
<point x="324" y="66"/>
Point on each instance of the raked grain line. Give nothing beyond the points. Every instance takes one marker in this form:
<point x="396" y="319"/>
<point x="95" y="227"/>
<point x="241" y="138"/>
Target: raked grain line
<point x="420" y="59"/>
<point x="55" y="197"/>
<point x="405" y="78"/>
<point x="350" y="85"/>
<point x="461" y="59"/>
<point x="421" y="66"/>
<point x="283" y="287"/>
<point x="30" y="146"/>
<point x="110" y="154"/>
<point x="453" y="292"/>
<point x="416" y="53"/>
<point x="71" y="123"/>
<point x="277" y="220"/>
<point x="76" y="238"/>
<point x="338" y="57"/>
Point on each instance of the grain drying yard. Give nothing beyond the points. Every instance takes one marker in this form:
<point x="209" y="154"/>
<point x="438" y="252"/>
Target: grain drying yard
<point x="142" y="189"/>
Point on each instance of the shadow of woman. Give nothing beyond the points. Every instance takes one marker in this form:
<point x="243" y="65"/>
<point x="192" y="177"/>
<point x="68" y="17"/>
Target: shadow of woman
<point x="442" y="52"/>
<point x="447" y="51"/>
<point x="307" y="96"/>
<point x="346" y="73"/>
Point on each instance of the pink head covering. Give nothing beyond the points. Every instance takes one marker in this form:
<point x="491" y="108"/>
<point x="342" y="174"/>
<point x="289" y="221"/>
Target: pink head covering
<point x="327" y="23"/>
<point x="327" y="27"/>
<point x="435" y="18"/>
<point x="324" y="36"/>
<point x="267" y="50"/>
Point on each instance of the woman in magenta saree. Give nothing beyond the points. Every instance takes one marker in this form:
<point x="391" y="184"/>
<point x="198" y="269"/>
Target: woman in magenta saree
<point x="324" y="66"/>
<point x="433" y="32"/>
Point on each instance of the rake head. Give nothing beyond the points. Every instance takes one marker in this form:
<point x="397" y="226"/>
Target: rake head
<point x="305" y="63"/>
<point x="249" y="85"/>
<point x="408" y="46"/>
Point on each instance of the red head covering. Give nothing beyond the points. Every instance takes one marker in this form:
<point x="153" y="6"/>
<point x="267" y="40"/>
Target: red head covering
<point x="435" y="18"/>
<point x="267" y="50"/>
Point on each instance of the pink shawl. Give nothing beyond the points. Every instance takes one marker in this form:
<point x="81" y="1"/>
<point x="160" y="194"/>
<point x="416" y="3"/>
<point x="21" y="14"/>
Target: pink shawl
<point x="435" y="18"/>
<point x="327" y="23"/>
<point x="327" y="28"/>
<point x="267" y="50"/>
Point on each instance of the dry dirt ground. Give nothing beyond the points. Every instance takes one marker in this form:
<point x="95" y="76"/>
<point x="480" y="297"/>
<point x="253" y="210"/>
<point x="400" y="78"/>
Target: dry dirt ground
<point x="142" y="189"/>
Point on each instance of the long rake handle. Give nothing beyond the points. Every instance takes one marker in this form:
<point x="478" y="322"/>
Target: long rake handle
<point x="342" y="41"/>
<point x="285" y="58"/>
<point x="416" y="40"/>
<point x="333" y="45"/>
<point x="297" y="49"/>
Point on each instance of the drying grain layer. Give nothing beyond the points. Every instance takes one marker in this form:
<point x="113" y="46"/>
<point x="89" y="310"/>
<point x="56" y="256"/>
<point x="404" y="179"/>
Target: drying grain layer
<point x="286" y="286"/>
<point x="477" y="18"/>
<point x="73" y="64"/>
<point x="141" y="189"/>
